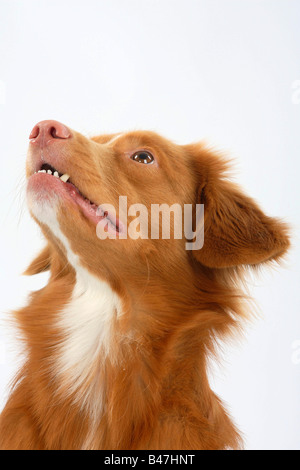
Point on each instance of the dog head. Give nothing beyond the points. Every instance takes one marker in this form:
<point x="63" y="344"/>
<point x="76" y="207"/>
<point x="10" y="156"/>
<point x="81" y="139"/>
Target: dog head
<point x="75" y="183"/>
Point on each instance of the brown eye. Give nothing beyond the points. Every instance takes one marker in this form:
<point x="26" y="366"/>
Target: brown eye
<point x="143" y="157"/>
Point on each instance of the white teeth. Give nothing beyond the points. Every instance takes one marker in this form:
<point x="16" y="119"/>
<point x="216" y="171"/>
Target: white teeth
<point x="65" y="178"/>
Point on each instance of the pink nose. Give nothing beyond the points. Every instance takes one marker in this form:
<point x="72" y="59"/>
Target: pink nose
<point x="45" y="132"/>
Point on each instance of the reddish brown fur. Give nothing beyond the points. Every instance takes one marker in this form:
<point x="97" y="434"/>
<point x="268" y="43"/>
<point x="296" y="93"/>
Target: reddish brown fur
<point x="176" y="304"/>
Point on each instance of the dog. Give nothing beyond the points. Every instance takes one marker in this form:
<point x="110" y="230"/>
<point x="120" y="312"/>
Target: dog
<point x="117" y="343"/>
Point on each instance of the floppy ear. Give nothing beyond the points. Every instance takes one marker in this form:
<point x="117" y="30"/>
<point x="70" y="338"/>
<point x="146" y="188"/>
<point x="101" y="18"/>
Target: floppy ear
<point x="41" y="263"/>
<point x="236" y="231"/>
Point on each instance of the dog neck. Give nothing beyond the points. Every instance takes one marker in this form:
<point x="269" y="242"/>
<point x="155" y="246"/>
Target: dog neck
<point x="113" y="360"/>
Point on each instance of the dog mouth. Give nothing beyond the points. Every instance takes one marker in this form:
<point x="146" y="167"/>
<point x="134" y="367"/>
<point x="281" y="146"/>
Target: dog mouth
<point x="90" y="209"/>
<point x="49" y="170"/>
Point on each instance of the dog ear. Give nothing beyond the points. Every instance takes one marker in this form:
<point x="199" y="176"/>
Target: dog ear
<point x="41" y="263"/>
<point x="236" y="231"/>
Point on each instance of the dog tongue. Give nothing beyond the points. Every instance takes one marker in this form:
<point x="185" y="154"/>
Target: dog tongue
<point x="90" y="210"/>
<point x="93" y="212"/>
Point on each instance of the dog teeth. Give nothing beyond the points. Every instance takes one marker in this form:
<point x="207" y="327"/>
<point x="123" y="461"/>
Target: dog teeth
<point x="65" y="178"/>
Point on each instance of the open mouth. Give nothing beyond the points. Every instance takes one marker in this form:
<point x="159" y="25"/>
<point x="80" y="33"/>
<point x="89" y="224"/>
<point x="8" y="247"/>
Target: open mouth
<point x="91" y="210"/>
<point x="48" y="169"/>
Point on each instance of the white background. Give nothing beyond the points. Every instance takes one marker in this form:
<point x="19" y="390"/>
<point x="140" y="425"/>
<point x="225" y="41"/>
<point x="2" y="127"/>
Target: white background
<point x="189" y="69"/>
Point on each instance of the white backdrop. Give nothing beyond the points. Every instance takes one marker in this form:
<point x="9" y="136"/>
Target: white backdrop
<point x="227" y="71"/>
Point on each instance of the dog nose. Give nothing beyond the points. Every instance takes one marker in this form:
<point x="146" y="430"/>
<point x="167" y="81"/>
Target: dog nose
<point x="46" y="131"/>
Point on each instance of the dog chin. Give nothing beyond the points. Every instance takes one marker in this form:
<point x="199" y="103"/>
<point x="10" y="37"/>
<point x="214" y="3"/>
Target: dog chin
<point x="46" y="211"/>
<point x="44" y="207"/>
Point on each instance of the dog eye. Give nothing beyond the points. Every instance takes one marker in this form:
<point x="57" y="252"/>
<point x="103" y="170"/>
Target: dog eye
<point x="143" y="157"/>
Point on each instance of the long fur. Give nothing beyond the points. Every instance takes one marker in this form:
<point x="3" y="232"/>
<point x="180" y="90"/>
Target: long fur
<point x="117" y="343"/>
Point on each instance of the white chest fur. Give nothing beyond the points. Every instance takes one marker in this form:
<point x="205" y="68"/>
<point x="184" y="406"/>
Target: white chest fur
<point x="85" y="324"/>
